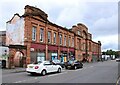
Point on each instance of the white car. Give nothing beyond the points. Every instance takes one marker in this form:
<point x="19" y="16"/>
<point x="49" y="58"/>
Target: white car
<point x="117" y="59"/>
<point x="43" y="68"/>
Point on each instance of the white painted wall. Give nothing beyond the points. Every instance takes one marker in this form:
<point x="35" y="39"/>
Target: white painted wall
<point x="15" y="31"/>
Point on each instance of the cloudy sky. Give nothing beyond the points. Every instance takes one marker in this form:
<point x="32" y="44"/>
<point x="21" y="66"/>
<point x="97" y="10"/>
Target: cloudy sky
<point x="100" y="16"/>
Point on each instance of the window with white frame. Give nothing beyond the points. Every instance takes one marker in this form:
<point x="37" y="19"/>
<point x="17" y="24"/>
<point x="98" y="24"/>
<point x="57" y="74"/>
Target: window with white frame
<point x="54" y="38"/>
<point x="65" y="41"/>
<point x="41" y="34"/>
<point x="49" y="37"/>
<point x="33" y="33"/>
<point x="60" y="39"/>
<point x="78" y="32"/>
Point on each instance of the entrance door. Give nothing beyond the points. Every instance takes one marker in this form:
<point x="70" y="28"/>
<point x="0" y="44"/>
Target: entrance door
<point x="3" y="63"/>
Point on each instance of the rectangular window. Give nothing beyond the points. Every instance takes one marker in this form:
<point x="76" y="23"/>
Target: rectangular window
<point x="54" y="38"/>
<point x="69" y="41"/>
<point x="33" y="33"/>
<point x="72" y="42"/>
<point x="41" y="34"/>
<point x="84" y="46"/>
<point x="60" y="39"/>
<point x="89" y="46"/>
<point x="78" y="32"/>
<point x="80" y="44"/>
<point x="65" y="41"/>
<point x="49" y="37"/>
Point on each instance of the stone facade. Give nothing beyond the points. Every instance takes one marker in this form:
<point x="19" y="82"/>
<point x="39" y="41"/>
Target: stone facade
<point x="45" y="40"/>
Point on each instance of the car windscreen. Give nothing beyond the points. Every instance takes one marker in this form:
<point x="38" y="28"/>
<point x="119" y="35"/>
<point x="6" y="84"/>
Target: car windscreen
<point x="70" y="61"/>
<point x="56" y="61"/>
<point x="39" y="62"/>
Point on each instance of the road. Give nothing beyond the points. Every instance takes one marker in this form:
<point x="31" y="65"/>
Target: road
<point x="99" y="72"/>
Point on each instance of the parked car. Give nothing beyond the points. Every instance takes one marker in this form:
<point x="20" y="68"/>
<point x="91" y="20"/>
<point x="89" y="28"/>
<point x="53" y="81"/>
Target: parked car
<point x="43" y="68"/>
<point x="73" y="64"/>
<point x="58" y="62"/>
<point x="117" y="59"/>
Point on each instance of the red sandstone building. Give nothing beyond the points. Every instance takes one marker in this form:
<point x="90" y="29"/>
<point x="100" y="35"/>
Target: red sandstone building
<point x="32" y="37"/>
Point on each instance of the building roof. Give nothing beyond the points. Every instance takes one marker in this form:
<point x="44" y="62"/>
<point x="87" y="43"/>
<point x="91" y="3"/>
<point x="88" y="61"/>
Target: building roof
<point x="13" y="17"/>
<point x="35" y="12"/>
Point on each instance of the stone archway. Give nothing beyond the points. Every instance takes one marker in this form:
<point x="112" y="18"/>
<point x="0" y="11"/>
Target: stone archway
<point x="18" y="58"/>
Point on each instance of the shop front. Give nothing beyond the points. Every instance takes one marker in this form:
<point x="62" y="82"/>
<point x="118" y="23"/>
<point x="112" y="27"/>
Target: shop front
<point x="40" y="56"/>
<point x="52" y="52"/>
<point x="64" y="55"/>
<point x="37" y="53"/>
<point x="72" y="53"/>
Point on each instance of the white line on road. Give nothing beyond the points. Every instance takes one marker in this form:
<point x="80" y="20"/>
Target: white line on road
<point x="91" y="66"/>
<point x="17" y="82"/>
<point x="36" y="78"/>
<point x="56" y="74"/>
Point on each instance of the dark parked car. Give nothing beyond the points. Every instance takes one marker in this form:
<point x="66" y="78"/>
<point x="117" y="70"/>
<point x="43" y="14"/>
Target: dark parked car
<point x="73" y="64"/>
<point x="58" y="62"/>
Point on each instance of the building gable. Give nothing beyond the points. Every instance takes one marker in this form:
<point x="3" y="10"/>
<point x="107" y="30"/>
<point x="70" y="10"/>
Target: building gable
<point x="15" y="30"/>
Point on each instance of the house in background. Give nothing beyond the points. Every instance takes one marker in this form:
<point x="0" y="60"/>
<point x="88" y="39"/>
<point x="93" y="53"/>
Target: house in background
<point x="32" y="37"/>
<point x="4" y="51"/>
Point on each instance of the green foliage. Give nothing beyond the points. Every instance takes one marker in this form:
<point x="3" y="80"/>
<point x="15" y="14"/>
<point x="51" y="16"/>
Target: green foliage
<point x="111" y="52"/>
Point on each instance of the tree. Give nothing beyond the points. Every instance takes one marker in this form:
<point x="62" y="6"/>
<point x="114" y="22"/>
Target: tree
<point x="103" y="53"/>
<point x="110" y="53"/>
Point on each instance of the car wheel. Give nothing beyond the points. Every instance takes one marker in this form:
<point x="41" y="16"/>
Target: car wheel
<point x="66" y="67"/>
<point x="43" y="72"/>
<point x="59" y="70"/>
<point x="75" y="67"/>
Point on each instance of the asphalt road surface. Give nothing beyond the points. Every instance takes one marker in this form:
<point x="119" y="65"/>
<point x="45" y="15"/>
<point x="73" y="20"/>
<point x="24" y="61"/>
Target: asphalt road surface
<point x="99" y="72"/>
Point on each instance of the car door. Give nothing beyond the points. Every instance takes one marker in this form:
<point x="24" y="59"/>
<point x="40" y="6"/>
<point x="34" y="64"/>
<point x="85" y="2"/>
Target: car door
<point x="48" y="66"/>
<point x="54" y="67"/>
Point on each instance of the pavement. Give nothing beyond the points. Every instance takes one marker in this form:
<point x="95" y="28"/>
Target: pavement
<point x="15" y="70"/>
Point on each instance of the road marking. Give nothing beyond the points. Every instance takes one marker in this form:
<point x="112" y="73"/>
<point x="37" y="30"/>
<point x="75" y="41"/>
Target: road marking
<point x="91" y="66"/>
<point x="36" y="78"/>
<point x="18" y="82"/>
<point x="85" y="68"/>
<point x="56" y="74"/>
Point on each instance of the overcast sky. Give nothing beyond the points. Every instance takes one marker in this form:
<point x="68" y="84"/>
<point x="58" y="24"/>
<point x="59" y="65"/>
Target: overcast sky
<point x="100" y="16"/>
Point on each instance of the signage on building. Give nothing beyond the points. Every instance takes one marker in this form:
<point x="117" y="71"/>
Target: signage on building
<point x="32" y="49"/>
